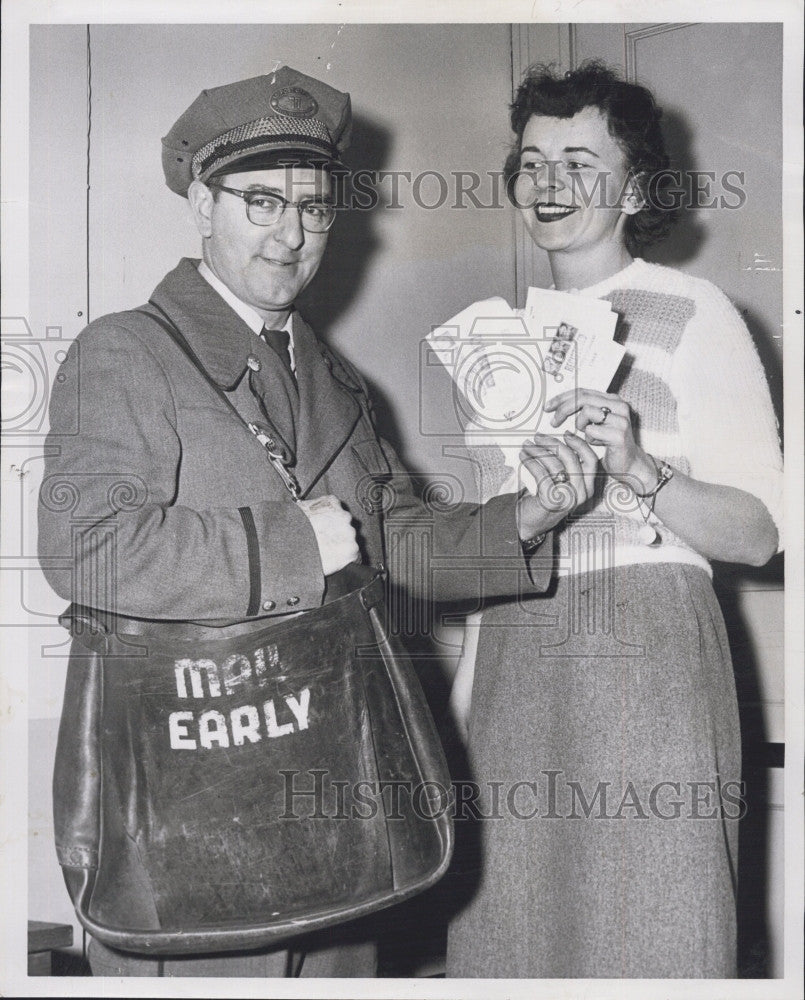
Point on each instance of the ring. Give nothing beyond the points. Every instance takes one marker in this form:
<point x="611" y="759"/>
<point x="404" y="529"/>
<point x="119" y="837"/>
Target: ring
<point x="606" y="411"/>
<point x="560" y="478"/>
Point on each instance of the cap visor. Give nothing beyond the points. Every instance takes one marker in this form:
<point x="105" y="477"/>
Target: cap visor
<point x="272" y="158"/>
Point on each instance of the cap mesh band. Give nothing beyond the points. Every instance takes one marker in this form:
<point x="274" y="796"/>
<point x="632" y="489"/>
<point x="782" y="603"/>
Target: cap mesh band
<point x="280" y="128"/>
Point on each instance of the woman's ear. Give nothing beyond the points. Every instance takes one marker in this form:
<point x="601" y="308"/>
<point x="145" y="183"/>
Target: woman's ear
<point x="201" y="203"/>
<point x="632" y="200"/>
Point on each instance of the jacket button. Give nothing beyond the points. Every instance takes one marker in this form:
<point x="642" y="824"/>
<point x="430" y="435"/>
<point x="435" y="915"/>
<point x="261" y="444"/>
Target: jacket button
<point x="254" y="363"/>
<point x="292" y="602"/>
<point x="269" y="605"/>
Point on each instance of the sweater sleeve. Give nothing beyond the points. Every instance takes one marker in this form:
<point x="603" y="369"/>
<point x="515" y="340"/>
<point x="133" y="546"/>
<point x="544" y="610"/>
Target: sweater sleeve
<point x="726" y="419"/>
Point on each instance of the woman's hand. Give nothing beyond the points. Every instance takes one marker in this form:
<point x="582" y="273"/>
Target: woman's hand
<point x="564" y="471"/>
<point x="606" y="419"/>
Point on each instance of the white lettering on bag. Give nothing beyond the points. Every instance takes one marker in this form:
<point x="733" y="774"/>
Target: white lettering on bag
<point x="192" y="669"/>
<point x="272" y="726"/>
<point x="300" y="708"/>
<point x="234" y="671"/>
<point x="212" y="730"/>
<point x="266" y="659"/>
<point x="178" y="731"/>
<point x="246" y="723"/>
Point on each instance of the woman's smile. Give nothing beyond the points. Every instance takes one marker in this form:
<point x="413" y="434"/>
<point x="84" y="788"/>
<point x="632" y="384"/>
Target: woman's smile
<point x="574" y="194"/>
<point x="550" y="211"/>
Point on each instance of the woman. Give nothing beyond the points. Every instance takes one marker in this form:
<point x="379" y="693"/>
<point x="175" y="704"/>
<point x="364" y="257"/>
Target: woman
<point x="603" y="730"/>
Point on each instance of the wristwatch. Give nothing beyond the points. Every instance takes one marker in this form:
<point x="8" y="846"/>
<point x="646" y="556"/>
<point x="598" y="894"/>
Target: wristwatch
<point x="665" y="473"/>
<point x="530" y="545"/>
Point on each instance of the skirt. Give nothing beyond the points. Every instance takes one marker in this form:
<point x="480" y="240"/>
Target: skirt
<point x="598" y="826"/>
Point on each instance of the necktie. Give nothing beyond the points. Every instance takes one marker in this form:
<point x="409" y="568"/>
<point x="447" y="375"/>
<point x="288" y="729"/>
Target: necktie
<point x="279" y="408"/>
<point x="278" y="341"/>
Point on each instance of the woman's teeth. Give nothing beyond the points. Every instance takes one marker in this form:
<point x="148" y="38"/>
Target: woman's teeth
<point x="550" y="213"/>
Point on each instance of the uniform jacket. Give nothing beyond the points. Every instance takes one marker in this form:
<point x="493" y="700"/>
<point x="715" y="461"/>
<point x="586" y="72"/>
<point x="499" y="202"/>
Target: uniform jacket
<point x="164" y="506"/>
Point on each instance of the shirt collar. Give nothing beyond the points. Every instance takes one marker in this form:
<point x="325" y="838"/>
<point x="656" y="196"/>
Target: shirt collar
<point x="250" y="316"/>
<point x="220" y="337"/>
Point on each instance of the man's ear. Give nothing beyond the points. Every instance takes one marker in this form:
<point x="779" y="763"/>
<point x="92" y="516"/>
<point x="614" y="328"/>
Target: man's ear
<point x="632" y="200"/>
<point x="201" y="203"/>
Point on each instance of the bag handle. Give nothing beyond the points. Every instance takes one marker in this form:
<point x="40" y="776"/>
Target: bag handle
<point x="269" y="439"/>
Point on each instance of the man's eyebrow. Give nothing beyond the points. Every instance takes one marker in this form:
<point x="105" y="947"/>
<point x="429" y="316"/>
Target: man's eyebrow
<point x="258" y="188"/>
<point x="567" y="149"/>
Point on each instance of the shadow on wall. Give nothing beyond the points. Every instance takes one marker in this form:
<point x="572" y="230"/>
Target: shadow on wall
<point x="688" y="235"/>
<point x="352" y="246"/>
<point x="353" y="241"/>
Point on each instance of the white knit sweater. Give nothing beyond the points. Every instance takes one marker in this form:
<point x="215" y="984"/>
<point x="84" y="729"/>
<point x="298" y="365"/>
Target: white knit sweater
<point x="700" y="401"/>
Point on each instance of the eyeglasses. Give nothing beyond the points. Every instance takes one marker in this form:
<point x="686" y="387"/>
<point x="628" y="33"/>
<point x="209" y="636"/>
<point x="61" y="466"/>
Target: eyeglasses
<point x="265" y="208"/>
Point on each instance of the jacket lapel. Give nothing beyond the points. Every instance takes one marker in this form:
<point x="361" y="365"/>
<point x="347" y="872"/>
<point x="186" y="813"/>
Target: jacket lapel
<point x="220" y="338"/>
<point x="328" y="411"/>
<point x="224" y="344"/>
<point x="327" y="408"/>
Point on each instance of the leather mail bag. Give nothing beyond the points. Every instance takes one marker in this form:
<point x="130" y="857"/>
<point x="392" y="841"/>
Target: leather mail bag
<point x="229" y="788"/>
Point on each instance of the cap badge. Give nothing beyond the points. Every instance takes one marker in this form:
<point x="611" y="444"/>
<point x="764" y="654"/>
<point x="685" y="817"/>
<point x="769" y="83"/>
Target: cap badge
<point x="295" y="102"/>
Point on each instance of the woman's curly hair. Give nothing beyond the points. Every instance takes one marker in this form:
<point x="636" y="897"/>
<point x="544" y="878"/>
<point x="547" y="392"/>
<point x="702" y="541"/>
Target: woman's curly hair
<point x="634" y="122"/>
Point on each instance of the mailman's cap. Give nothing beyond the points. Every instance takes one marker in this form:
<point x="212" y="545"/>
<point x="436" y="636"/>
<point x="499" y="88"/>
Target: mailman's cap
<point x="282" y="118"/>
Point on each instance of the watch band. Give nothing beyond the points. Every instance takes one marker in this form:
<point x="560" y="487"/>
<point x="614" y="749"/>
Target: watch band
<point x="665" y="473"/>
<point x="530" y="545"/>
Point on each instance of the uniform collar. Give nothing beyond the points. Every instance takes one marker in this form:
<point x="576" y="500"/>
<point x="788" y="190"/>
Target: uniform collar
<point x="224" y="342"/>
<point x="250" y="316"/>
<point x="220" y="337"/>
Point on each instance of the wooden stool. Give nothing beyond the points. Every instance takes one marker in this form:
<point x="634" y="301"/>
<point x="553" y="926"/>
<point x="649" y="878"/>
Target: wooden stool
<point x="42" y="939"/>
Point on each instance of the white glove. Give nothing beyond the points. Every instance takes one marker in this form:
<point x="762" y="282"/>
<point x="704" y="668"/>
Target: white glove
<point x="335" y="532"/>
